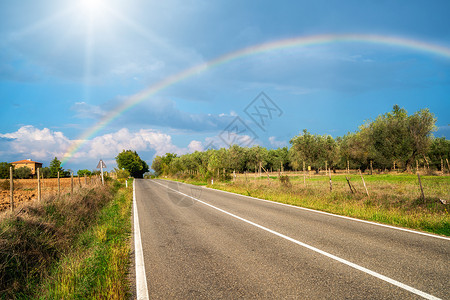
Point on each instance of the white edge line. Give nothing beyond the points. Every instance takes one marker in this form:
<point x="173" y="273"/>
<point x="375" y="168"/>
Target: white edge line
<point x="334" y="215"/>
<point x="141" y="279"/>
<point x="329" y="255"/>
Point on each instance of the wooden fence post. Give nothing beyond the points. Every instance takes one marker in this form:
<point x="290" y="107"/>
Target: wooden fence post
<point x="85" y="179"/>
<point x="421" y="188"/>
<point x="367" y="192"/>
<point x="11" y="188"/>
<point x="39" y="184"/>
<point x="426" y="160"/>
<point x="331" y="184"/>
<point x="371" y="167"/>
<point x="349" y="185"/>
<point x="71" y="183"/>
<point x="59" y="186"/>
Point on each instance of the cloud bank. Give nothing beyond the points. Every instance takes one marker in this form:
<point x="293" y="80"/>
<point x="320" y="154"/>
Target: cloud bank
<point x="45" y="144"/>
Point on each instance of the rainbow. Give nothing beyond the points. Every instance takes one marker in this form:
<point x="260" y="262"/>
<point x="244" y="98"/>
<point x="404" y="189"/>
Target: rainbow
<point x="252" y="50"/>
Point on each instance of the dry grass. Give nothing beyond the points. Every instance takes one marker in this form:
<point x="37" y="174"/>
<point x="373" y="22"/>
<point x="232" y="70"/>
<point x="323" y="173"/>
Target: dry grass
<point x="98" y="268"/>
<point x="37" y="235"/>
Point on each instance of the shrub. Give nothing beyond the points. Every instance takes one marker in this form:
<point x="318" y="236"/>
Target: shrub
<point x="22" y="173"/>
<point x="285" y="181"/>
<point x="4" y="185"/>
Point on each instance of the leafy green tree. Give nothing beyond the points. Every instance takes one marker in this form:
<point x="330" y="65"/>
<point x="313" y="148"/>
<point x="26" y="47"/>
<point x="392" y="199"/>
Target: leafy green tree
<point x="213" y="163"/>
<point x="237" y="158"/>
<point x="420" y="126"/>
<point x="175" y="166"/>
<point x="157" y="165"/>
<point x="277" y="158"/>
<point x="255" y="155"/>
<point x="83" y="172"/>
<point x="397" y="137"/>
<point x="130" y="161"/>
<point x="439" y="149"/>
<point x="22" y="173"/>
<point x="356" y="149"/>
<point x="55" y="167"/>
<point x="314" y="150"/>
<point x="121" y="173"/>
<point x="45" y="172"/>
<point x="389" y="137"/>
<point x="4" y="170"/>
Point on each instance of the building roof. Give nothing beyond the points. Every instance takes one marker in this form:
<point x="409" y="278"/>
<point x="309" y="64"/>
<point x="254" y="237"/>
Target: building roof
<point x="25" y="161"/>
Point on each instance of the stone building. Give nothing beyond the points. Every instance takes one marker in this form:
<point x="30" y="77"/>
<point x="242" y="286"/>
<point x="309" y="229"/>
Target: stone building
<point x="32" y="165"/>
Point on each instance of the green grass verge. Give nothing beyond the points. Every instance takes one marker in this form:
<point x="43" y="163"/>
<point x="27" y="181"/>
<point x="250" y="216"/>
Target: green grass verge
<point x="98" y="268"/>
<point x="73" y="247"/>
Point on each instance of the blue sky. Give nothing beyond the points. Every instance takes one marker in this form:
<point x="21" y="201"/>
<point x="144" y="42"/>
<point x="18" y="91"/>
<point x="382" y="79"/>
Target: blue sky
<point x="65" y="65"/>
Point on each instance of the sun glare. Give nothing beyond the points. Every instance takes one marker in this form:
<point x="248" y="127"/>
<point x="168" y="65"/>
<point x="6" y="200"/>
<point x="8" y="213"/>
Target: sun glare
<point x="93" y="6"/>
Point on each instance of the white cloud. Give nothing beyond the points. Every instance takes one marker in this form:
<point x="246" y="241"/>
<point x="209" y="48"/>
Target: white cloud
<point x="45" y="144"/>
<point x="31" y="142"/>
<point x="195" y="146"/>
<point x="87" y="111"/>
<point x="278" y="144"/>
<point x="109" y="145"/>
<point x="235" y="139"/>
<point x="232" y="114"/>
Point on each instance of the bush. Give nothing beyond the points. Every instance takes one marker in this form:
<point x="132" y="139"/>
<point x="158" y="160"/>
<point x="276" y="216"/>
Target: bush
<point x="84" y="172"/>
<point x="22" y="173"/>
<point x="285" y="181"/>
<point x="4" y="185"/>
<point x="4" y="170"/>
<point x="121" y="173"/>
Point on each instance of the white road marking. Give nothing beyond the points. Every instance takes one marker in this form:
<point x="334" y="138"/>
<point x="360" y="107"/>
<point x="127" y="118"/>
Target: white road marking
<point x="334" y="215"/>
<point x="141" y="279"/>
<point x="329" y="255"/>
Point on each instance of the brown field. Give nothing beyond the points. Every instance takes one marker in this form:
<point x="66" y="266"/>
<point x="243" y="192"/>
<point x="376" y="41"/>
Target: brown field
<point x="26" y="190"/>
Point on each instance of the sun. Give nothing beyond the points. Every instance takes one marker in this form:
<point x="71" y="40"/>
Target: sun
<point x="93" y="7"/>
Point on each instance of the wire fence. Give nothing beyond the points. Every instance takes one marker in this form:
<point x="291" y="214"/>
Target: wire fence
<point x="14" y="192"/>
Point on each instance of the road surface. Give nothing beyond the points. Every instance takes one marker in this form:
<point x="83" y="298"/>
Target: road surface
<point x="199" y="243"/>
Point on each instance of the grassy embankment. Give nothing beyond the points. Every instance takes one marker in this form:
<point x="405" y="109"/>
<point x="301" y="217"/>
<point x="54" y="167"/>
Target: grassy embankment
<point x="75" y="247"/>
<point x="393" y="199"/>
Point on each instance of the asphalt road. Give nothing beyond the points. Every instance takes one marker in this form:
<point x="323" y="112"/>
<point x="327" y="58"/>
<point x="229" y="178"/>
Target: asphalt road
<point x="221" y="245"/>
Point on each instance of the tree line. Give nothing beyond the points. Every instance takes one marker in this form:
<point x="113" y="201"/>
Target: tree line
<point x="46" y="172"/>
<point x="393" y="140"/>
